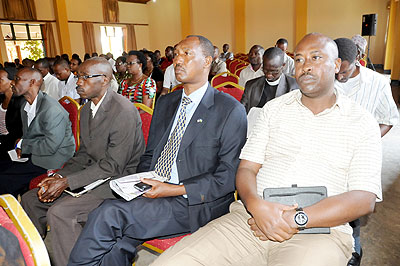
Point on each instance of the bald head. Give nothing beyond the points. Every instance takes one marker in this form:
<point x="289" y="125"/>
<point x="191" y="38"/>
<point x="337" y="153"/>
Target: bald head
<point x="321" y="41"/>
<point x="34" y="75"/>
<point x="27" y="83"/>
<point x="98" y="65"/>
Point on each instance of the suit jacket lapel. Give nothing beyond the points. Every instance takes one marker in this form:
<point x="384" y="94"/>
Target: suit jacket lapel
<point x="199" y="119"/>
<point x="282" y="88"/>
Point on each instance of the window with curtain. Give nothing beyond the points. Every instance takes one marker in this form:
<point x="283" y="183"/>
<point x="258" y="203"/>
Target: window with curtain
<point x="112" y="40"/>
<point x="23" y="41"/>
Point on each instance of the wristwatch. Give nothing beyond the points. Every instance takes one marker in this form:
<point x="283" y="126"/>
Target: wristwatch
<point x="300" y="218"/>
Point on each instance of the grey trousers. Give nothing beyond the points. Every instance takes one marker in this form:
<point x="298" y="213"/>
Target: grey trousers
<point x="66" y="217"/>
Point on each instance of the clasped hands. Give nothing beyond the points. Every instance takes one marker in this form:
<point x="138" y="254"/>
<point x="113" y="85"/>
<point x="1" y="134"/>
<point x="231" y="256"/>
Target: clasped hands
<point x="272" y="221"/>
<point x="51" y="188"/>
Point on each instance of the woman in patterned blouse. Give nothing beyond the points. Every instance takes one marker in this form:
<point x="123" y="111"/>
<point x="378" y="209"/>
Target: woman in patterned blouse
<point x="139" y="88"/>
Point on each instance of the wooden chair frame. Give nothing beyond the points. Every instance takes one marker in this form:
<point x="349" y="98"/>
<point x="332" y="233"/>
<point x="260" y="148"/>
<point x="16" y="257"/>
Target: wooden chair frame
<point x="176" y="87"/>
<point x="144" y="108"/>
<point x="26" y="228"/>
<point x="78" y="129"/>
<point x="229" y="83"/>
<point x="224" y="73"/>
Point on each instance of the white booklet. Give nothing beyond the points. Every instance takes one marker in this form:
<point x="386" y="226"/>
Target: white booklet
<point x="14" y="157"/>
<point x="125" y="186"/>
<point x="87" y="188"/>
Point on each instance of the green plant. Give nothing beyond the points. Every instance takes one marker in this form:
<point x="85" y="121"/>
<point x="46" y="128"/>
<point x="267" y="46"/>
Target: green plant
<point x="34" y="48"/>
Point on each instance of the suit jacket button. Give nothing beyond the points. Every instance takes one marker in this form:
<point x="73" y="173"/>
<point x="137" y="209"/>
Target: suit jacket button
<point x="89" y="161"/>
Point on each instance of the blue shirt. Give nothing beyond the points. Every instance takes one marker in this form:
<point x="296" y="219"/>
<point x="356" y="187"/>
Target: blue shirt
<point x="196" y="97"/>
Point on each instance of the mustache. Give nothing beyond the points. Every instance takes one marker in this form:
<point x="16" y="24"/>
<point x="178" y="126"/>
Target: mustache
<point x="179" y="66"/>
<point x="306" y="74"/>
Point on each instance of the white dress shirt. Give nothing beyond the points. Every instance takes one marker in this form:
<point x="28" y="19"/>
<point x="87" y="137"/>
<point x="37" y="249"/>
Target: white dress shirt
<point x="50" y="86"/>
<point x="95" y="107"/>
<point x="170" y="80"/>
<point x="69" y="88"/>
<point x="248" y="73"/>
<point x="288" y="69"/>
<point x="31" y="113"/>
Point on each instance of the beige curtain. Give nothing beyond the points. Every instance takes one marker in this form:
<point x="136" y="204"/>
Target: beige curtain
<point x="19" y="9"/>
<point x="88" y="37"/>
<point x="110" y="11"/>
<point x="131" y="42"/>
<point x="49" y="41"/>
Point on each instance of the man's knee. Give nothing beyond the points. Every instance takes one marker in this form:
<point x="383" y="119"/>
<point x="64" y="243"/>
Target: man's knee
<point x="28" y="199"/>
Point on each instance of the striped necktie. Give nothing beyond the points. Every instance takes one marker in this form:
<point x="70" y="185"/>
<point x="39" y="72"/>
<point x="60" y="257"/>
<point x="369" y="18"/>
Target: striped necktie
<point x="168" y="154"/>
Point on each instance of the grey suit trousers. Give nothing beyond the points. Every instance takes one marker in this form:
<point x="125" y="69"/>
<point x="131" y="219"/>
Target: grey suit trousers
<point x="66" y="217"/>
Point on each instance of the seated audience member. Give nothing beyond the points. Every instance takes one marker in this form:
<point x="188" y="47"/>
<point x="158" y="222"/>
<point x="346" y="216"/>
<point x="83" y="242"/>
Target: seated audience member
<point x="153" y="71"/>
<point x="254" y="69"/>
<point x="51" y="61"/>
<point x="314" y="136"/>
<point x="122" y="72"/>
<point x="110" y="146"/>
<point x="167" y="60"/>
<point x="139" y="88"/>
<point x="217" y="65"/>
<point x="372" y="91"/>
<point x="50" y="82"/>
<point x="74" y="65"/>
<point x="288" y="67"/>
<point x="361" y="44"/>
<point x="94" y="54"/>
<point x="28" y="63"/>
<point x="225" y="55"/>
<point x="86" y="57"/>
<point x="110" y="59"/>
<point x="10" y="113"/>
<point x="273" y="84"/>
<point x="67" y="80"/>
<point x="195" y="140"/>
<point x="170" y="80"/>
<point x="47" y="138"/>
<point x="17" y="63"/>
<point x="158" y="56"/>
<point x="65" y="57"/>
<point x="10" y="250"/>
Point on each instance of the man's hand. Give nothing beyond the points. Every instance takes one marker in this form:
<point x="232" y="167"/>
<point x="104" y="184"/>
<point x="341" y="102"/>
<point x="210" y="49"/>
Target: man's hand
<point x="51" y="188"/>
<point x="269" y="221"/>
<point x="162" y="190"/>
<point x="19" y="152"/>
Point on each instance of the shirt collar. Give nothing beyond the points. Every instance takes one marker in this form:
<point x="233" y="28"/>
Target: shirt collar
<point x="197" y="95"/>
<point x="31" y="109"/>
<point x="95" y="107"/>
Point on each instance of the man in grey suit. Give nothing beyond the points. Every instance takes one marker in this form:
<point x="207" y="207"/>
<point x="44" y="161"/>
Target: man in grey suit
<point x="111" y="145"/>
<point x="273" y="84"/>
<point x="203" y="159"/>
<point x="47" y="138"/>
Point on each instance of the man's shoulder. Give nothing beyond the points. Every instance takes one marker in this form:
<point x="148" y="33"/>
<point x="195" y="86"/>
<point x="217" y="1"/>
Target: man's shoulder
<point x="255" y="82"/>
<point x="372" y="76"/>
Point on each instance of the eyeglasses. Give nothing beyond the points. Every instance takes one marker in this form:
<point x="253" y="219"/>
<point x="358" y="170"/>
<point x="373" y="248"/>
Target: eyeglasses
<point x="85" y="77"/>
<point x="132" y="63"/>
<point x="120" y="64"/>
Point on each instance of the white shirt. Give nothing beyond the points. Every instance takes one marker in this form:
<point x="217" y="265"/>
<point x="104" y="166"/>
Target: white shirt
<point x="50" y="86"/>
<point x="170" y="80"/>
<point x="339" y="148"/>
<point x="95" y="107"/>
<point x="196" y="97"/>
<point x="112" y="63"/>
<point x="288" y="69"/>
<point x="248" y="73"/>
<point x="69" y="88"/>
<point x="374" y="94"/>
<point x="3" y="128"/>
<point x="225" y="56"/>
<point x="31" y="113"/>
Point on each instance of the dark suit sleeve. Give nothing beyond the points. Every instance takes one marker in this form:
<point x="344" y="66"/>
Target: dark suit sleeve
<point x="53" y="125"/>
<point x="246" y="97"/>
<point x="121" y="149"/>
<point x="211" y="186"/>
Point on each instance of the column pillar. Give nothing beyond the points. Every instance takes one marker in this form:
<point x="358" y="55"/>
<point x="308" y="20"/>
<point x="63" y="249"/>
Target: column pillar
<point x="186" y="18"/>
<point x="395" y="73"/>
<point x="239" y="25"/>
<point x="390" y="37"/>
<point x="301" y="16"/>
<point x="60" y="11"/>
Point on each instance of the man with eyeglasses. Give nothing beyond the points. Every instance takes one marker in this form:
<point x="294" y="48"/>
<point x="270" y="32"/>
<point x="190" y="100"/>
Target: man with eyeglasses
<point x="272" y="84"/>
<point x="111" y="145"/>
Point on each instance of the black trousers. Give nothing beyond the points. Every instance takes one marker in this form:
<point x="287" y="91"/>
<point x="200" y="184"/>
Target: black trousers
<point x="15" y="176"/>
<point x="117" y="227"/>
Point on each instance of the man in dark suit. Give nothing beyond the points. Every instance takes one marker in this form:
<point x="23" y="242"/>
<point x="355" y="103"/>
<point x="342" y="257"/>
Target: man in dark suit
<point x="273" y="84"/>
<point x="111" y="145"/>
<point x="203" y="159"/>
<point x="47" y="138"/>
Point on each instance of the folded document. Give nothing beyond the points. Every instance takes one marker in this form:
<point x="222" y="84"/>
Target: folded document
<point x="124" y="186"/>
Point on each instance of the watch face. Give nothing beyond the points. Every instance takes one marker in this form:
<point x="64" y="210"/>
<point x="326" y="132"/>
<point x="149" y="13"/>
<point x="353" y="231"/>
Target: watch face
<point x="301" y="218"/>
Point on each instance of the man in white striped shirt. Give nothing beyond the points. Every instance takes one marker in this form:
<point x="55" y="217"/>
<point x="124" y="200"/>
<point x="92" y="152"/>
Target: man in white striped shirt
<point x="366" y="87"/>
<point x="311" y="137"/>
<point x="372" y="91"/>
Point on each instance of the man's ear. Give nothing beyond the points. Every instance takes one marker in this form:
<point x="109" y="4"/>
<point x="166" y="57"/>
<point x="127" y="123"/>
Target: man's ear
<point x="338" y="63"/>
<point x="208" y="61"/>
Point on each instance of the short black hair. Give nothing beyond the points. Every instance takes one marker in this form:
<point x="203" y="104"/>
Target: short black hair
<point x="122" y="58"/>
<point x="62" y="62"/>
<point x="347" y="49"/>
<point x="282" y="41"/>
<point x="77" y="59"/>
<point x="272" y="53"/>
<point x="11" y="71"/>
<point x="142" y="59"/>
<point x="152" y="57"/>
<point x="65" y="57"/>
<point x="75" y="56"/>
<point x="169" y="48"/>
<point x="43" y="62"/>
<point x="205" y="44"/>
<point x="86" y="57"/>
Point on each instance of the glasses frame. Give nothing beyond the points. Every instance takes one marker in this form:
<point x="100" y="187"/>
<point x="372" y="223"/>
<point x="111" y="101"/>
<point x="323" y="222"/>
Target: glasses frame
<point x="85" y="77"/>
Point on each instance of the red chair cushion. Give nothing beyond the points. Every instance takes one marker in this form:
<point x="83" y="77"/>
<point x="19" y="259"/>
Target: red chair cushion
<point x="34" y="182"/>
<point x="221" y="79"/>
<point x="73" y="117"/>
<point x="146" y="121"/>
<point x="6" y="222"/>
<point x="164" y="244"/>
<point x="235" y="92"/>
